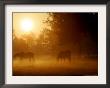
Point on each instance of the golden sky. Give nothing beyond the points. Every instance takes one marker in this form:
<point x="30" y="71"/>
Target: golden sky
<point x="26" y="23"/>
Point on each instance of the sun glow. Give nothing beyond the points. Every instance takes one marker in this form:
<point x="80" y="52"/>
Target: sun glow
<point x="26" y="25"/>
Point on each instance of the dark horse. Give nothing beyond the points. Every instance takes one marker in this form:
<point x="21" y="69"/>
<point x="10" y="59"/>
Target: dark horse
<point x="24" y="55"/>
<point x="64" y="55"/>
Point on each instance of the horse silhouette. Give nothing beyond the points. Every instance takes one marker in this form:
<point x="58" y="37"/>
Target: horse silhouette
<point x="19" y="55"/>
<point x="64" y="55"/>
<point x="24" y="55"/>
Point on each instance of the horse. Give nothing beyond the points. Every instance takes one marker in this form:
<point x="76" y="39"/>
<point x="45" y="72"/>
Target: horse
<point x="24" y="55"/>
<point x="64" y="55"/>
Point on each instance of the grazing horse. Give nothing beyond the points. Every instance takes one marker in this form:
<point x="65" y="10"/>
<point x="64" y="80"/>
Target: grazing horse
<point x="24" y="55"/>
<point x="19" y="55"/>
<point x="29" y="55"/>
<point x="64" y="55"/>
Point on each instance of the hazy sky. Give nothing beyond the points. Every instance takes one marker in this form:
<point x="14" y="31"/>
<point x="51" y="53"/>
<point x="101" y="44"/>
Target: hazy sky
<point x="25" y="23"/>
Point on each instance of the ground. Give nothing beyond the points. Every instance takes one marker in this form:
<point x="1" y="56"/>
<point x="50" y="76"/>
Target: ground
<point x="50" y="66"/>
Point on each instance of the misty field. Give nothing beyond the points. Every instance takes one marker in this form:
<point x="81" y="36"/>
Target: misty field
<point x="50" y="66"/>
<point x="55" y="44"/>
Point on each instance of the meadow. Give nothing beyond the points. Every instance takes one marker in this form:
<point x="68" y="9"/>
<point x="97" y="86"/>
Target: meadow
<point x="50" y="66"/>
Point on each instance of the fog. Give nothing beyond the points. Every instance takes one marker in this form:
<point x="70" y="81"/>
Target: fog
<point x="67" y="46"/>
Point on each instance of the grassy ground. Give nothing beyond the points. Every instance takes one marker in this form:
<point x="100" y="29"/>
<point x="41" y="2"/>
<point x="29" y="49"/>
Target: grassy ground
<point x="49" y="66"/>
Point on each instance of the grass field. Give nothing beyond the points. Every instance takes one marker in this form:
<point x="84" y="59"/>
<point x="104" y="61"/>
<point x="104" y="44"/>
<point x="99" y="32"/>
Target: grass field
<point x="50" y="66"/>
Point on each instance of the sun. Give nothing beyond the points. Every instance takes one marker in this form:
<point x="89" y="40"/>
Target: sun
<point x="26" y="25"/>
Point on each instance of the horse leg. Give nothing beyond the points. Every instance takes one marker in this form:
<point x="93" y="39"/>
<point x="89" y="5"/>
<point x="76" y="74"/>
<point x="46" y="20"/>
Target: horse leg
<point x="70" y="58"/>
